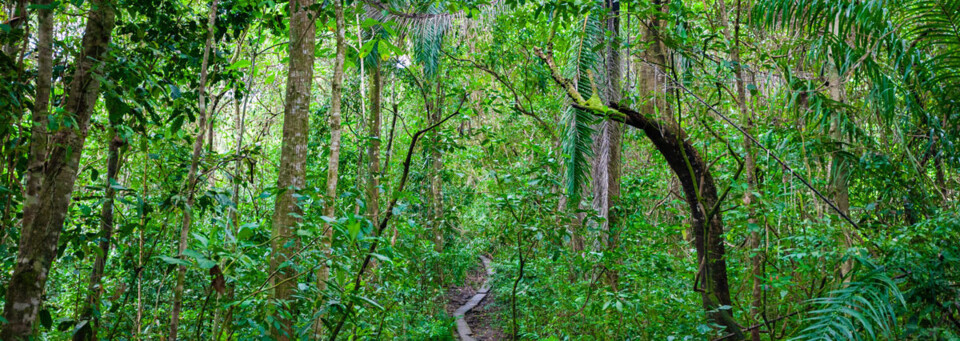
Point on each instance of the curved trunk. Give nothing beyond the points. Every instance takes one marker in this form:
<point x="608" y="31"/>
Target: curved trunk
<point x="38" y="248"/>
<point x="698" y="187"/>
<point x="702" y="200"/>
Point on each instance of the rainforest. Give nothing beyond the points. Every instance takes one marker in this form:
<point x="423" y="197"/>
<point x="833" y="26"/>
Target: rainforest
<point x="469" y="170"/>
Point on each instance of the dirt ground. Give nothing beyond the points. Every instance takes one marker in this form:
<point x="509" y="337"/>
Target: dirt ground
<point x="482" y="318"/>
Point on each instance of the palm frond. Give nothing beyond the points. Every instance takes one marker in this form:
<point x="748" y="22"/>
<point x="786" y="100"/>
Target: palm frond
<point x="583" y="66"/>
<point x="937" y="24"/>
<point x="860" y="310"/>
<point x="425" y="21"/>
<point x="585" y="63"/>
<point x="577" y="142"/>
<point x="826" y="16"/>
<point x="838" y="25"/>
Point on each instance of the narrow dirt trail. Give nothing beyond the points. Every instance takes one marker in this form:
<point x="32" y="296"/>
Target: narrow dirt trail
<point x="463" y="328"/>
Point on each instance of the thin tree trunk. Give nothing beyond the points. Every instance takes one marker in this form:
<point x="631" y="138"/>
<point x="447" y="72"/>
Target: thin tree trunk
<point x="941" y="176"/>
<point x="293" y="159"/>
<point x="38" y="248"/>
<point x="38" y="139"/>
<point x="749" y="166"/>
<point x="386" y="164"/>
<point x="192" y="177"/>
<point x="838" y="168"/>
<point x="333" y="164"/>
<point x="239" y="124"/>
<point x="95" y="289"/>
<point x="373" y="147"/>
<point x="138" y="323"/>
<point x="435" y="113"/>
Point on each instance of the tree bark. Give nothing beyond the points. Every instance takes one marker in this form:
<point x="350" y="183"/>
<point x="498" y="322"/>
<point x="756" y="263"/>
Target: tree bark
<point x="333" y="163"/>
<point x="336" y="132"/>
<point x="706" y="221"/>
<point x="293" y="159"/>
<point x="192" y="177"/>
<point x="386" y="162"/>
<point x="435" y="112"/>
<point x="41" y="104"/>
<point x="38" y="248"/>
<point x="373" y="146"/>
<point x="95" y="289"/>
<point x="838" y="169"/>
<point x="138" y="323"/>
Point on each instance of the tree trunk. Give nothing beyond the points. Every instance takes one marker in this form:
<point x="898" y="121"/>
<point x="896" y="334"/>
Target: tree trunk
<point x="192" y="177"/>
<point x="750" y="168"/>
<point x="652" y="79"/>
<point x="38" y="133"/>
<point x="95" y="290"/>
<point x="293" y="159"/>
<point x="706" y="221"/>
<point x="373" y="147"/>
<point x="386" y="162"/>
<point x="38" y="248"/>
<point x="434" y="109"/>
<point x="333" y="164"/>
<point x="607" y="145"/>
<point x="138" y="323"/>
<point x="838" y="168"/>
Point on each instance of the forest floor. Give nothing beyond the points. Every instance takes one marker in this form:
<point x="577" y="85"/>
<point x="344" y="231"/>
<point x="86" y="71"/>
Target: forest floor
<point x="474" y="301"/>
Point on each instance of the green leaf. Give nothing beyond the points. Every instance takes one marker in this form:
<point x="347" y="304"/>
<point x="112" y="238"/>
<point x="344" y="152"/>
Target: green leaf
<point x="239" y="65"/>
<point x="200" y="238"/>
<point x="205" y="263"/>
<point x="382" y="258"/>
<point x="174" y="91"/>
<point x="369" y="22"/>
<point x="371" y="302"/>
<point x="353" y="229"/>
<point x="174" y="261"/>
<point x="192" y="254"/>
